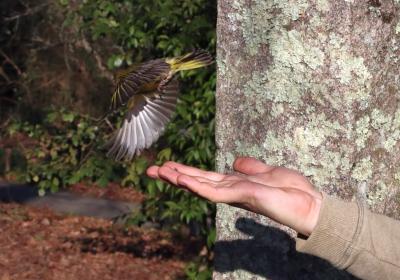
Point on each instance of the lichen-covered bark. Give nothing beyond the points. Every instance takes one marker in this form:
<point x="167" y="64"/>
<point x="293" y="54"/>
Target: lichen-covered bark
<point x="312" y="85"/>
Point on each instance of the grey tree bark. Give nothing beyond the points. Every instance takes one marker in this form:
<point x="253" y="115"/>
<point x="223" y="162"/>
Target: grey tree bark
<point x="312" y="85"/>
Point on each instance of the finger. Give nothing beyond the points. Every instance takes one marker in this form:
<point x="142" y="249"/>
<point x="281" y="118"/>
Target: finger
<point x="171" y="175"/>
<point x="251" y="166"/>
<point x="209" y="191"/>
<point x="168" y="174"/>
<point x="152" y="171"/>
<point x="192" y="171"/>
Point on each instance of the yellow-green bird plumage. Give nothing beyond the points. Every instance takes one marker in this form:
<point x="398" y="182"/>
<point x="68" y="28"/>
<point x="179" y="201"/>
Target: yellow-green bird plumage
<point x="149" y="92"/>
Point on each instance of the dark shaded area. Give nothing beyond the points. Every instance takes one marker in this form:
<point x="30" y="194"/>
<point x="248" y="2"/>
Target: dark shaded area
<point x="271" y="253"/>
<point x="133" y="242"/>
<point x="66" y="202"/>
<point x="16" y="193"/>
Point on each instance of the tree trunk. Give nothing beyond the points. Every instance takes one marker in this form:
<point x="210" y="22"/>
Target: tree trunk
<point x="315" y="86"/>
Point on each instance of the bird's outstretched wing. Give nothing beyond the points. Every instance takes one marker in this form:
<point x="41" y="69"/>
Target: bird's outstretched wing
<point x="144" y="122"/>
<point x="131" y="81"/>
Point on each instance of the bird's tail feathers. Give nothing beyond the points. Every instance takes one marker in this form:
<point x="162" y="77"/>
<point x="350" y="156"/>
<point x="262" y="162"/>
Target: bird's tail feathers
<point x="193" y="60"/>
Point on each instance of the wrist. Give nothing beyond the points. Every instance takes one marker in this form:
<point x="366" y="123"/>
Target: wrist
<point x="313" y="217"/>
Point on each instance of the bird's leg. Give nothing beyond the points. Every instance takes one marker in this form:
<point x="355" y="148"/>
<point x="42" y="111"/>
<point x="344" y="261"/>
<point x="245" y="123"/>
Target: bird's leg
<point x="165" y="81"/>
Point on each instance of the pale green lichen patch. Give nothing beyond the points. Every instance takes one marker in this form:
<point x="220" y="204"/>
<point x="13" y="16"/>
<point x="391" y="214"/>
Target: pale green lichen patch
<point x="275" y="147"/>
<point x="292" y="9"/>
<point x="327" y="166"/>
<point x="362" y="131"/>
<point x="380" y="120"/>
<point x="275" y="88"/>
<point x="397" y="30"/>
<point x="312" y="156"/>
<point x="290" y="50"/>
<point x="227" y="222"/>
<point x="375" y="11"/>
<point x="258" y="20"/>
<point x="378" y="195"/>
<point x="245" y="149"/>
<point x="362" y="170"/>
<point x="322" y="167"/>
<point x="397" y="177"/>
<point x="350" y="70"/>
<point x="289" y="77"/>
<point x="252" y="28"/>
<point x="392" y="140"/>
<point x="349" y="67"/>
<point x="230" y="158"/>
<point x="308" y="144"/>
<point x="277" y="109"/>
<point x="221" y="65"/>
<point x="323" y="5"/>
<point x="388" y="127"/>
<point x="315" y="132"/>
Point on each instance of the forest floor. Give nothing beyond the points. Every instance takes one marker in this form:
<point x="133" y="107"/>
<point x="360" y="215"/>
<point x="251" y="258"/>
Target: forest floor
<point x="36" y="243"/>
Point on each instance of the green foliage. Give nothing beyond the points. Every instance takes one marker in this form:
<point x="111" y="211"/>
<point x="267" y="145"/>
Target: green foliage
<point x="188" y="139"/>
<point x="194" y="271"/>
<point x="63" y="153"/>
<point x="151" y="28"/>
<point x="144" y="30"/>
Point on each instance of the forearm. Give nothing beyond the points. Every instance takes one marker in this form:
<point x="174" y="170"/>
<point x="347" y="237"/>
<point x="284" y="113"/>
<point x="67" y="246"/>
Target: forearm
<point x="352" y="238"/>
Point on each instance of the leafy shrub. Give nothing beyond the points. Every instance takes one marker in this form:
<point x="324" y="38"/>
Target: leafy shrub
<point x="65" y="152"/>
<point x="143" y="30"/>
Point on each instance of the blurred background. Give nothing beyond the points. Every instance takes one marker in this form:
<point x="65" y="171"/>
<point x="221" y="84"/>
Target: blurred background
<point x="57" y="59"/>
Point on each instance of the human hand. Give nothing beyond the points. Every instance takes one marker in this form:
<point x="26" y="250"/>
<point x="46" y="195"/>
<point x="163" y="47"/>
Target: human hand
<point x="279" y="193"/>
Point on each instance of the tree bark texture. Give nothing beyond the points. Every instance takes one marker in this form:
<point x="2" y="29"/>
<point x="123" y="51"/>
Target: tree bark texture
<point x="310" y="85"/>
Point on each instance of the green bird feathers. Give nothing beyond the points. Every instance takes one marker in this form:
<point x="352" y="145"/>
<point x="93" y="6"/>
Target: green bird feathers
<point x="148" y="92"/>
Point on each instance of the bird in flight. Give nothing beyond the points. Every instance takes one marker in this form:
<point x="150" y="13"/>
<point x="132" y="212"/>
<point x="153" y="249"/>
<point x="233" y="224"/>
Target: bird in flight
<point x="148" y="92"/>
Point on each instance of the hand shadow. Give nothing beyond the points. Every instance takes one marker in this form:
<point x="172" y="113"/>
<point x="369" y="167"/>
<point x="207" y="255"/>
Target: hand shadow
<point x="270" y="253"/>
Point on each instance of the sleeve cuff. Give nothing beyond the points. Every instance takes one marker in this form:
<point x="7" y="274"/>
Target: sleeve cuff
<point x="338" y="227"/>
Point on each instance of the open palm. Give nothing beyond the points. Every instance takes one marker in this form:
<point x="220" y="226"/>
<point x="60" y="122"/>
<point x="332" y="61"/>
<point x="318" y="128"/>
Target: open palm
<point x="279" y="193"/>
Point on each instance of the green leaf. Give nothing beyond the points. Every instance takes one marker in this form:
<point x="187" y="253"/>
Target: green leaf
<point x="102" y="181"/>
<point x="68" y="117"/>
<point x="165" y="154"/>
<point x="151" y="188"/>
<point x="140" y="165"/>
<point x="63" y="2"/>
<point x="56" y="182"/>
<point x="211" y="237"/>
<point x="159" y="185"/>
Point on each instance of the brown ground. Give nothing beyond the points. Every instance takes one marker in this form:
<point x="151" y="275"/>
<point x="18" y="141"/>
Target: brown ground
<point x="113" y="191"/>
<point x="38" y="244"/>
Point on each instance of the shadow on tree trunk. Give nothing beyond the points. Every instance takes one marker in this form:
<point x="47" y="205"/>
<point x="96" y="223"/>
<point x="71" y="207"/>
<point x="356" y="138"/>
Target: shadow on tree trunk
<point x="271" y="253"/>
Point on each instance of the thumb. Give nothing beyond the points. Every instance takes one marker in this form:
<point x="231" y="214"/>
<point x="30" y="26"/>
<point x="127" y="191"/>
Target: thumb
<point x="251" y="166"/>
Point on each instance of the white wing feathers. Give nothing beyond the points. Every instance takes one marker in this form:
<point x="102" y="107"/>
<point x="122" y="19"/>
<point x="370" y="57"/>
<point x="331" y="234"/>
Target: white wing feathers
<point x="143" y="126"/>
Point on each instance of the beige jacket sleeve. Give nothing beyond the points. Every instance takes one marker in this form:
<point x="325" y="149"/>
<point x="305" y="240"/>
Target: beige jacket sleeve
<point x="354" y="239"/>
